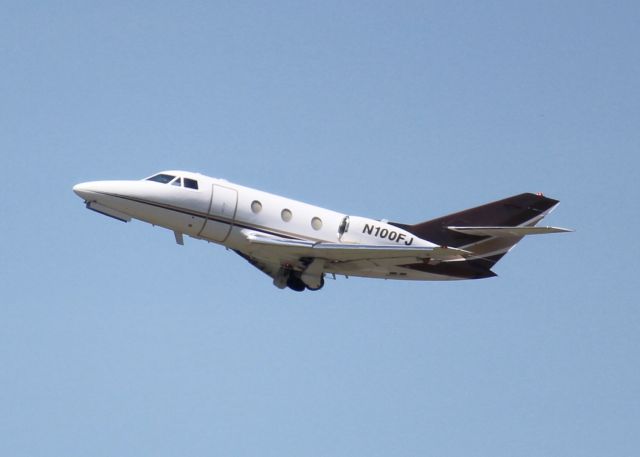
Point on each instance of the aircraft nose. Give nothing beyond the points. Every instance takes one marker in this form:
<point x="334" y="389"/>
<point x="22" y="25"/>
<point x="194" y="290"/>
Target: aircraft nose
<point x="80" y="190"/>
<point x="85" y="190"/>
<point x="97" y="190"/>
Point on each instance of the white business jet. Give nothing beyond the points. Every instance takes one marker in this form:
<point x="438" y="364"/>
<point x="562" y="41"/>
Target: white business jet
<point x="297" y="244"/>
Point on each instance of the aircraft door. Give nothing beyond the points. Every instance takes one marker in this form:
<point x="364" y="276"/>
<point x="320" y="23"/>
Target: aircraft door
<point x="222" y="213"/>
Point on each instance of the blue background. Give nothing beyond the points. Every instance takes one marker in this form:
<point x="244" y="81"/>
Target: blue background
<point x="116" y="341"/>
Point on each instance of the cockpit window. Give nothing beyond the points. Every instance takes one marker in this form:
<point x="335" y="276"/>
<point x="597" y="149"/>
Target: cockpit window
<point x="161" y="178"/>
<point x="190" y="183"/>
<point x="174" y="180"/>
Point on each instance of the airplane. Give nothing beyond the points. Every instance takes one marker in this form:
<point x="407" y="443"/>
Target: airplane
<point x="298" y="244"/>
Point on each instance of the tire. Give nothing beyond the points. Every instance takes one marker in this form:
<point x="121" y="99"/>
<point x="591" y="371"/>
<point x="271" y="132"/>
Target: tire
<point x="295" y="283"/>
<point x="319" y="287"/>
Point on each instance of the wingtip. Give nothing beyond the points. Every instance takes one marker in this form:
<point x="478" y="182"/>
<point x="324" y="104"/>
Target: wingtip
<point x="563" y="230"/>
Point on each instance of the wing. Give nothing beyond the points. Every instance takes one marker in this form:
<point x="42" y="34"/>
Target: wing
<point x="270" y="268"/>
<point x="277" y="247"/>
<point x="278" y="257"/>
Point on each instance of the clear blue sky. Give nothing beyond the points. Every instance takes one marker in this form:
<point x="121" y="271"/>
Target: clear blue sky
<point x="116" y="341"/>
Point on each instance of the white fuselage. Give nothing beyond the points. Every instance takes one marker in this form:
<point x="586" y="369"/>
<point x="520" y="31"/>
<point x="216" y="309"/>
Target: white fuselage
<point x="223" y="212"/>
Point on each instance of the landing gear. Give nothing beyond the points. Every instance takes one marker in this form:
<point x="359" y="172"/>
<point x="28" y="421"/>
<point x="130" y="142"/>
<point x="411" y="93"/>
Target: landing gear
<point x="295" y="283"/>
<point x="286" y="277"/>
<point x="313" y="274"/>
<point x="319" y="287"/>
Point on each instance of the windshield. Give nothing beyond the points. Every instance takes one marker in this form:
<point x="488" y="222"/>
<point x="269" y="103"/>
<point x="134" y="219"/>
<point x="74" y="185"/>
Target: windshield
<point x="174" y="180"/>
<point x="161" y="178"/>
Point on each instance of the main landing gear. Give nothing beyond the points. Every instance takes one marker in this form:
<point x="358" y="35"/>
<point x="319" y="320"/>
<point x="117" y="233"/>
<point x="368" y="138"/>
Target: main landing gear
<point x="286" y="277"/>
<point x="297" y="284"/>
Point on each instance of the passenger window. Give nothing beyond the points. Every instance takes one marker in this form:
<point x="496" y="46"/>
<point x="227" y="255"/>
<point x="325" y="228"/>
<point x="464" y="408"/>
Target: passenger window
<point x="286" y="214"/>
<point x="190" y="183"/>
<point x="161" y="178"/>
<point x="177" y="182"/>
<point x="256" y="206"/>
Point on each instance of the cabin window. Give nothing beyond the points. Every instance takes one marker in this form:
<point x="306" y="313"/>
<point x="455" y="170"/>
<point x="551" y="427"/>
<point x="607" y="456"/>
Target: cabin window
<point x="162" y="178"/>
<point x="256" y="206"/>
<point x="286" y="215"/>
<point x="316" y="223"/>
<point x="190" y="183"/>
<point x="177" y="182"/>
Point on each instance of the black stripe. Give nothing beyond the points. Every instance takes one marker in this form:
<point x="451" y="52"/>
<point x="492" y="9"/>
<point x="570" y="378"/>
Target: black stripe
<point x="208" y="217"/>
<point x="475" y="269"/>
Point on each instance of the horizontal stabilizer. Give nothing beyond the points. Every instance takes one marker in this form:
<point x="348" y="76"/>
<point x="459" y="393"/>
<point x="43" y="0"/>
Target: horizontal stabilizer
<point x="490" y="230"/>
<point x="507" y="231"/>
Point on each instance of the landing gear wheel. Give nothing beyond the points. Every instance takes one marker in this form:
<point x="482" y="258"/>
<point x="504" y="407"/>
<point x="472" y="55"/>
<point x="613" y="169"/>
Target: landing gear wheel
<point x="295" y="283"/>
<point x="319" y="287"/>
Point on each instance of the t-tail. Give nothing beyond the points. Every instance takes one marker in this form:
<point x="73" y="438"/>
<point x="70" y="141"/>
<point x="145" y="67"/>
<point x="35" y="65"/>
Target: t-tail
<point x="488" y="232"/>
